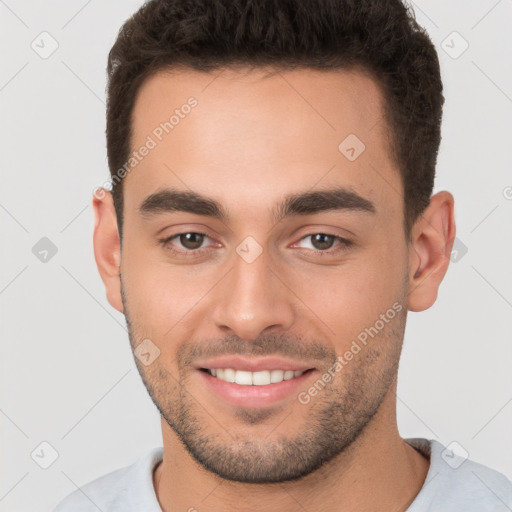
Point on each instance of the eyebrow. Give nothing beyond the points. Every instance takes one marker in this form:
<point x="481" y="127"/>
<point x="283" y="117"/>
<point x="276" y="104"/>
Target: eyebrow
<point x="306" y="203"/>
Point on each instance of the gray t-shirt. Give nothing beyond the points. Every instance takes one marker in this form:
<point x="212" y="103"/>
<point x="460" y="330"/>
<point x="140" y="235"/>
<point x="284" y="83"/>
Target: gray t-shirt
<point x="452" y="484"/>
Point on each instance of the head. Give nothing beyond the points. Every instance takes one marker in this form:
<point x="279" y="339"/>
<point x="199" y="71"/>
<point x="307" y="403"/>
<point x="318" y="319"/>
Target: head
<point x="272" y="168"/>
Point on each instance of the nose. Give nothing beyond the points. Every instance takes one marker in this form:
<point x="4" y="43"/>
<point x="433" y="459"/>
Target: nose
<point x="253" y="300"/>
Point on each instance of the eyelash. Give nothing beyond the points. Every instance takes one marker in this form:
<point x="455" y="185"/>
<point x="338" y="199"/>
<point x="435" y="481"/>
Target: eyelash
<point x="343" y="244"/>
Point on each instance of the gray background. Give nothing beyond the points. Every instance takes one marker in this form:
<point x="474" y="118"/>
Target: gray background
<point x="67" y="373"/>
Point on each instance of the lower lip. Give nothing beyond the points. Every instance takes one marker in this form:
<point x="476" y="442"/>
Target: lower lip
<point x="254" y="396"/>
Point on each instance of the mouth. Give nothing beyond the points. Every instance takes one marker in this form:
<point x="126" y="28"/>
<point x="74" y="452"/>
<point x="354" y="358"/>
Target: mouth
<point x="241" y="388"/>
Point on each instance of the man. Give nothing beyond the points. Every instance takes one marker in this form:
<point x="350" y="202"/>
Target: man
<point x="270" y="224"/>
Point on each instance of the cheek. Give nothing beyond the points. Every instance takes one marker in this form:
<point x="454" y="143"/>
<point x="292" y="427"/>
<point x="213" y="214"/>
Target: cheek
<point x="163" y="299"/>
<point x="352" y="297"/>
<point x="160" y="298"/>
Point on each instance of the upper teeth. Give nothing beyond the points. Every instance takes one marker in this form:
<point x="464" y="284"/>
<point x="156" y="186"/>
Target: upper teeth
<point x="253" y="378"/>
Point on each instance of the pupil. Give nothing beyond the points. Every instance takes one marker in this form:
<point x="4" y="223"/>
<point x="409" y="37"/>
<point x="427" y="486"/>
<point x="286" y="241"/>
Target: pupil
<point x="322" y="241"/>
<point x="191" y="240"/>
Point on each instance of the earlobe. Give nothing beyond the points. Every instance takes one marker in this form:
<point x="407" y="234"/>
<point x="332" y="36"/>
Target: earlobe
<point x="107" y="249"/>
<point x="432" y="239"/>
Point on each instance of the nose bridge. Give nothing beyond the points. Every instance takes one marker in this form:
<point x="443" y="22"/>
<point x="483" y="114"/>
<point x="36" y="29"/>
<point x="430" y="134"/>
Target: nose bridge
<point x="253" y="299"/>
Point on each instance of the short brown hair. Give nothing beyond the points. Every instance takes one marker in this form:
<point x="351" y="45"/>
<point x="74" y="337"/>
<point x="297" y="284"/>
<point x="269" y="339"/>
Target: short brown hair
<point x="379" y="36"/>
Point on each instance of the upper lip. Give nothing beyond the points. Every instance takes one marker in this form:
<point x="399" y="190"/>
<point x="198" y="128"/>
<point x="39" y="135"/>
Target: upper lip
<point x="254" y="364"/>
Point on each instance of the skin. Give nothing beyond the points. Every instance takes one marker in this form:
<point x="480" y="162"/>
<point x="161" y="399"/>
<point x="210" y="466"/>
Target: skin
<point x="252" y="139"/>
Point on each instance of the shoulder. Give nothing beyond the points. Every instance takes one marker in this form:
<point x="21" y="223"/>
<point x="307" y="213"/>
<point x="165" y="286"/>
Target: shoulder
<point x="455" y="482"/>
<point x="126" y="489"/>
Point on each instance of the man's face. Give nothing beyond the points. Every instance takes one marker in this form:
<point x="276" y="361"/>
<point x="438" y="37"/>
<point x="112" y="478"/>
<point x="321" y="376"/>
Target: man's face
<point x="303" y="288"/>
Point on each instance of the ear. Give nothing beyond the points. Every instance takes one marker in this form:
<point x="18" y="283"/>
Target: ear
<point x="107" y="247"/>
<point x="430" y="248"/>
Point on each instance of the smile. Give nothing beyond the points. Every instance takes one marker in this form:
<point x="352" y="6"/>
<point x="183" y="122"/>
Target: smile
<point x="243" y="388"/>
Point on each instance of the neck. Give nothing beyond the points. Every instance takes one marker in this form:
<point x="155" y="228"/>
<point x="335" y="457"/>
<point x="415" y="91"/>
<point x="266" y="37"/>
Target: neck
<point x="378" y="471"/>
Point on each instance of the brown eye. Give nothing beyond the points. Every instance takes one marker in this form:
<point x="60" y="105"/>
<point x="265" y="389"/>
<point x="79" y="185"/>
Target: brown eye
<point x="188" y="244"/>
<point x="321" y="241"/>
<point x="325" y="243"/>
<point x="191" y="240"/>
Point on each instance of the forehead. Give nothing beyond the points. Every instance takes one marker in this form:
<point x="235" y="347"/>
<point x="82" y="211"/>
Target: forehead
<point x="239" y="131"/>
